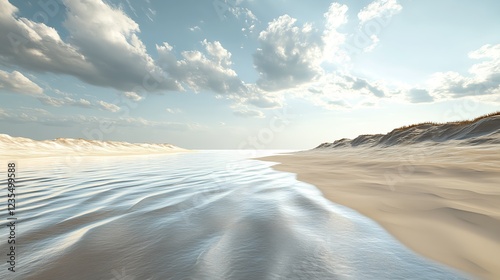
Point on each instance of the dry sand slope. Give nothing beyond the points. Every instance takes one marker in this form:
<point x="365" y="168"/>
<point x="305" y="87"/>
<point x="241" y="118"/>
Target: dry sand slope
<point x="435" y="187"/>
<point x="19" y="147"/>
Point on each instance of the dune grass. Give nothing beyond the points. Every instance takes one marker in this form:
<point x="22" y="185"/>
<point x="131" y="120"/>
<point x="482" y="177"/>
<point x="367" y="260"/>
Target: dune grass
<point x="457" y="123"/>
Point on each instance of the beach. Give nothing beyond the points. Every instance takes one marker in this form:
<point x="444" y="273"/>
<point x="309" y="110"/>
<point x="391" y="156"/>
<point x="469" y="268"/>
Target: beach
<point x="439" y="199"/>
<point x="187" y="216"/>
<point x="74" y="149"/>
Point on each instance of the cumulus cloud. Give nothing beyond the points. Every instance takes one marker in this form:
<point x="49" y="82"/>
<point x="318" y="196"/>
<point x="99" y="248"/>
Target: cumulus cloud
<point x="17" y="82"/>
<point x="484" y="78"/>
<point x="35" y="45"/>
<point x="210" y="70"/>
<point x="384" y="9"/>
<point x="335" y="17"/>
<point x="288" y="55"/>
<point x="103" y="47"/>
<point x="343" y="91"/>
<point x="255" y="96"/>
<point x="109" y="40"/>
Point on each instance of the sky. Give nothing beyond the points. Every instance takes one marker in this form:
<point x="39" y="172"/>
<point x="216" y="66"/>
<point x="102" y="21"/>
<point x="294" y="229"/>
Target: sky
<point x="243" y="74"/>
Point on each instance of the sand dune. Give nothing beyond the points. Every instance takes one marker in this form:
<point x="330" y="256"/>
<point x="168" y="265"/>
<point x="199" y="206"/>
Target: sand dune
<point x="435" y="187"/>
<point x="481" y="130"/>
<point x="15" y="147"/>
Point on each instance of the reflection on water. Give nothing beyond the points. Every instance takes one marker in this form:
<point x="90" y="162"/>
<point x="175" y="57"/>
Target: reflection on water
<point x="204" y="215"/>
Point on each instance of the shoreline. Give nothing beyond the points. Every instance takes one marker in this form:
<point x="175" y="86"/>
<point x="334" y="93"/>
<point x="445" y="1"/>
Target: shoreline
<point x="442" y="201"/>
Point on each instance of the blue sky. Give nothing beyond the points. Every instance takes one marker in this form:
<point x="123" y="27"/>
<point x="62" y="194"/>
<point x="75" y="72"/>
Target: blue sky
<point x="245" y="74"/>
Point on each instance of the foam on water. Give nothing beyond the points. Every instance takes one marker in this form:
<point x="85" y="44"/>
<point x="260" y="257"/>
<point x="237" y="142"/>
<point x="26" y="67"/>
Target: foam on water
<point x="204" y="215"/>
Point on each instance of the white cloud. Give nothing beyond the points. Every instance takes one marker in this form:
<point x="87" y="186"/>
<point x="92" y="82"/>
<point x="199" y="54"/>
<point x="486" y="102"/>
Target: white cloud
<point x="486" y="51"/>
<point x="248" y="113"/>
<point x="342" y="90"/>
<point x="83" y="103"/>
<point x="221" y="56"/>
<point x="336" y="90"/>
<point x="288" y="55"/>
<point x="195" y="28"/>
<point x="28" y="115"/>
<point x="488" y="70"/>
<point x="375" y="40"/>
<point x="484" y="78"/>
<point x="132" y="96"/>
<point x="150" y="13"/>
<point x="382" y="12"/>
<point x="243" y="13"/>
<point x="17" y="82"/>
<point x="254" y="96"/>
<point x="3" y="114"/>
<point x="379" y="9"/>
<point x="108" y="106"/>
<point x="65" y="101"/>
<point x="173" y="110"/>
<point x="263" y="101"/>
<point x="335" y="17"/>
<point x="109" y="40"/>
<point x="211" y="71"/>
<point x="103" y="47"/>
<point x="61" y="93"/>
<point x="202" y="71"/>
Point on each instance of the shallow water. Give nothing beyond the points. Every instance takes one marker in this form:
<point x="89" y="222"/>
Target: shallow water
<point x="202" y="215"/>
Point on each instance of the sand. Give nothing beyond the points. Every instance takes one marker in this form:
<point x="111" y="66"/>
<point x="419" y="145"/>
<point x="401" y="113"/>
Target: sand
<point x="440" y="199"/>
<point x="19" y="147"/>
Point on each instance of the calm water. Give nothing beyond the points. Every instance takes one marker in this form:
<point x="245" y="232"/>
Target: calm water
<point x="203" y="215"/>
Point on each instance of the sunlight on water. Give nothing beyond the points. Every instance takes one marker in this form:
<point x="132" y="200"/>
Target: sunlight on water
<point x="203" y="215"/>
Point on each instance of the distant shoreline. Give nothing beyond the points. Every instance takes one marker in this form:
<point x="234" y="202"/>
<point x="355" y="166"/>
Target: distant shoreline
<point x="19" y="147"/>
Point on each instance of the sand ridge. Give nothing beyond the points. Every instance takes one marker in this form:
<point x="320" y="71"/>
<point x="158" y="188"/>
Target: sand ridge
<point x="484" y="129"/>
<point x="19" y="147"/>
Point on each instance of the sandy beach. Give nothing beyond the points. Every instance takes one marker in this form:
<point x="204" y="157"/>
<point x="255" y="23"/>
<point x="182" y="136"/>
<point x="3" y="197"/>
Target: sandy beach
<point x="441" y="200"/>
<point x="20" y="147"/>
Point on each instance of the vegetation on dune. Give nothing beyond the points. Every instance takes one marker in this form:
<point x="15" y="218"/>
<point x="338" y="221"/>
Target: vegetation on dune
<point x="457" y="123"/>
